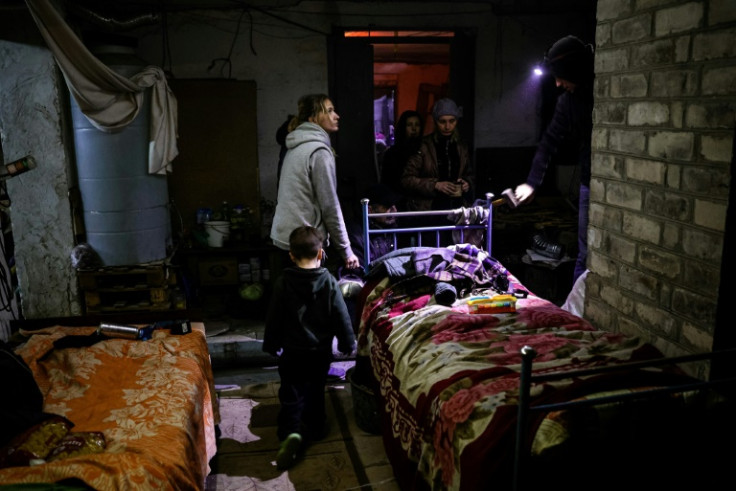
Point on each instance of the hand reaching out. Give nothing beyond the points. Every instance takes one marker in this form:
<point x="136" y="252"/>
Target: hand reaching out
<point x="524" y="192"/>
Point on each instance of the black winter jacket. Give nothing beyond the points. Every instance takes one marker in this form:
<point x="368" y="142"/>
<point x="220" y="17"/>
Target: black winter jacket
<point x="306" y="312"/>
<point x="572" y="122"/>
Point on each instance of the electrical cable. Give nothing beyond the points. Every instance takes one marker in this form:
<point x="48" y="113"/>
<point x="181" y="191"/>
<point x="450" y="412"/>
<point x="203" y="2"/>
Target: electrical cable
<point x="229" y="59"/>
<point x="252" y="48"/>
<point x="302" y="13"/>
<point x="172" y="206"/>
<point x="6" y="289"/>
<point x="166" y="48"/>
<point x="5" y="286"/>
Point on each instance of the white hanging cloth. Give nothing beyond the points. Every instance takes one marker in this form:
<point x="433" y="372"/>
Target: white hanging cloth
<point x="109" y="100"/>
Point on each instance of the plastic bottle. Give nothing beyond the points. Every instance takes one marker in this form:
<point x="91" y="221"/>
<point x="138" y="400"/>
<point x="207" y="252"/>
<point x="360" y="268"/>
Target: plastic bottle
<point x="203" y="215"/>
<point x="237" y="223"/>
<point x="225" y="212"/>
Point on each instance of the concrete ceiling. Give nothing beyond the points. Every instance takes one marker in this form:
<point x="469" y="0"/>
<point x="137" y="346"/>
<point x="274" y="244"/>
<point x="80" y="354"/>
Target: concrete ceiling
<point x="118" y="16"/>
<point x="139" y="7"/>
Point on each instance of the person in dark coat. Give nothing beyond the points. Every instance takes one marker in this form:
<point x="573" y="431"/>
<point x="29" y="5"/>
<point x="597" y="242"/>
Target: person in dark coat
<point x="307" y="311"/>
<point x="408" y="133"/>
<point x="438" y="176"/>
<point x="571" y="62"/>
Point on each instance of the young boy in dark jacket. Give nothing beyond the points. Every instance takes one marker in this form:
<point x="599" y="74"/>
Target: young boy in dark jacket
<point x="306" y="313"/>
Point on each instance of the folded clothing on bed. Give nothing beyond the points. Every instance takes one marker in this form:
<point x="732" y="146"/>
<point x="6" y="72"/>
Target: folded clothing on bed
<point x="462" y="264"/>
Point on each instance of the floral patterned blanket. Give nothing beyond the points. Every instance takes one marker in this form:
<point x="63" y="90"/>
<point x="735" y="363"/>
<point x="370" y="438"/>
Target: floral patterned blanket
<point x="152" y="400"/>
<point x="447" y="378"/>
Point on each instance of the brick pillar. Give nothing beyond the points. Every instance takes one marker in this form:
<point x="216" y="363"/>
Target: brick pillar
<point x="662" y="142"/>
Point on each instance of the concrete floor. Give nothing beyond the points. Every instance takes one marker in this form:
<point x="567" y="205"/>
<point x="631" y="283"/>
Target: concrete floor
<point x="235" y="346"/>
<point x="238" y="361"/>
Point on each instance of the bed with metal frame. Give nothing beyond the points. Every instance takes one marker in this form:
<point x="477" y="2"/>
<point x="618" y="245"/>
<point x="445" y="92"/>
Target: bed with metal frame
<point x="123" y="401"/>
<point x="526" y="397"/>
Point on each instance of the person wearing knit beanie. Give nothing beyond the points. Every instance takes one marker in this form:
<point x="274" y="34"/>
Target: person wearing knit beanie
<point x="446" y="107"/>
<point x="570" y="61"/>
<point x="438" y="175"/>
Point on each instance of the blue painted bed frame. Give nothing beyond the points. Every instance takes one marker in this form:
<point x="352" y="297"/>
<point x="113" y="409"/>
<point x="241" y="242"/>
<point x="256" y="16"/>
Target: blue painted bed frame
<point x="417" y="231"/>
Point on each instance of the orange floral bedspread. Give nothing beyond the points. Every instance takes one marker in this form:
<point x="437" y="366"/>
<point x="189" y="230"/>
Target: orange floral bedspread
<point x="153" y="400"/>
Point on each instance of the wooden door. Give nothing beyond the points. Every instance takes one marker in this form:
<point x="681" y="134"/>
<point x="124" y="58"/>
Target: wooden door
<point x="351" y="90"/>
<point x="218" y="147"/>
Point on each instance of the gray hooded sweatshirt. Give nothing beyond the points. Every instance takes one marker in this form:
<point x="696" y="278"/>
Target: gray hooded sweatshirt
<point x="308" y="190"/>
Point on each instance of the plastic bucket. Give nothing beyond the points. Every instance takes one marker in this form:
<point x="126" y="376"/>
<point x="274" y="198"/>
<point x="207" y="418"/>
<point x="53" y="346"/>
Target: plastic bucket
<point x="217" y="232"/>
<point x="364" y="406"/>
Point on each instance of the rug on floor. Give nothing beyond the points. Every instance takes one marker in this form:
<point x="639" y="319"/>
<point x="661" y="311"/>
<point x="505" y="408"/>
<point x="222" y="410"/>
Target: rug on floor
<point x="248" y="444"/>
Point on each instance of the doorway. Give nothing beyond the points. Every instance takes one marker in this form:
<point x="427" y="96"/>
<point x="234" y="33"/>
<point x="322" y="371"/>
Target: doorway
<point x="407" y="76"/>
<point x="412" y="74"/>
<point x="412" y="69"/>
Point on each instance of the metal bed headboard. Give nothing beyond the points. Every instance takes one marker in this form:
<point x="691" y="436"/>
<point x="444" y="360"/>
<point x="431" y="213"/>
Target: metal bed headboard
<point x="367" y="231"/>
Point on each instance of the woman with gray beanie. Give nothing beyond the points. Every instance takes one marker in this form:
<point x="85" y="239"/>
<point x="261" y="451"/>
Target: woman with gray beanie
<point x="438" y="176"/>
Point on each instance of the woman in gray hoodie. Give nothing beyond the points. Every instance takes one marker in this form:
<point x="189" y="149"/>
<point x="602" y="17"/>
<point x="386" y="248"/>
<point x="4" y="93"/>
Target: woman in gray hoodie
<point x="307" y="191"/>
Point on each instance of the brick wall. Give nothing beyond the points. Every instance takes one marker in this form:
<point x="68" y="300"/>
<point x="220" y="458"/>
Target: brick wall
<point x="662" y="139"/>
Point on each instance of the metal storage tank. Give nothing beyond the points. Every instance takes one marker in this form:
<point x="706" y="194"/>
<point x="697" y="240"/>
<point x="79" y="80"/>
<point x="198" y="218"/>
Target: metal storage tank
<point x="125" y="208"/>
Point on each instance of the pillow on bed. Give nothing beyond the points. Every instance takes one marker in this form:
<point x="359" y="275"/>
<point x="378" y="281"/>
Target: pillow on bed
<point x="78" y="443"/>
<point x="36" y="443"/>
